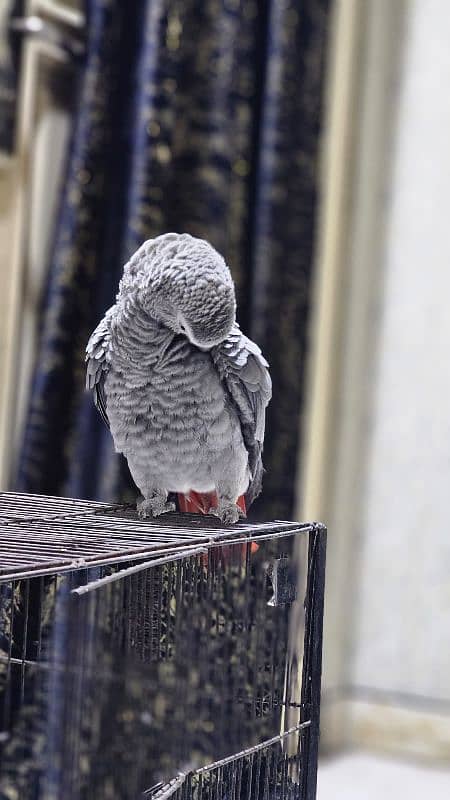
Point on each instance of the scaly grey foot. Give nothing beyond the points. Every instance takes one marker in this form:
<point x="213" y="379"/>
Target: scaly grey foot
<point x="228" y="513"/>
<point x="154" y="506"/>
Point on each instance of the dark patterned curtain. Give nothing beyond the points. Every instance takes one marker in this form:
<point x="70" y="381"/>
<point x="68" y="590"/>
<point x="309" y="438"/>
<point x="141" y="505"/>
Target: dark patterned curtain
<point x="200" y="116"/>
<point x="10" y="46"/>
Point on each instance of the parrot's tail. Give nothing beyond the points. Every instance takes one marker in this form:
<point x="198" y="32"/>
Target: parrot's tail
<point x="202" y="502"/>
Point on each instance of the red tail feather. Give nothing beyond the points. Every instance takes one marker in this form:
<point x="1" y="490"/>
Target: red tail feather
<point x="202" y="502"/>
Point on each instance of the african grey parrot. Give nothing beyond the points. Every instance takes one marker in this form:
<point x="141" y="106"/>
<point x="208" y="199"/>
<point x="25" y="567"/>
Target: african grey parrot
<point x="183" y="391"/>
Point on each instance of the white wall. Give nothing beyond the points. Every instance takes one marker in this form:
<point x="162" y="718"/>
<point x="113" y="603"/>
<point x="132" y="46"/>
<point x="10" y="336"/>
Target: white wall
<point x="402" y="638"/>
<point x="376" y="466"/>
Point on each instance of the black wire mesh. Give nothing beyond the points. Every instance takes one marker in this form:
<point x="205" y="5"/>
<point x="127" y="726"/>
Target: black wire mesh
<point x="118" y="676"/>
<point x="260" y="772"/>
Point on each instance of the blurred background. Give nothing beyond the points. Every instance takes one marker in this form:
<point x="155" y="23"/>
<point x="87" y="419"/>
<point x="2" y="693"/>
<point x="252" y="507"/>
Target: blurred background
<point x="308" y="140"/>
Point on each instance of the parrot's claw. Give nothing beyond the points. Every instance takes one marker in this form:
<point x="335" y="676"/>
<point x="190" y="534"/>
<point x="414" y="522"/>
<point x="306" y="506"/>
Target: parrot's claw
<point x="154" y="506"/>
<point x="228" y="513"/>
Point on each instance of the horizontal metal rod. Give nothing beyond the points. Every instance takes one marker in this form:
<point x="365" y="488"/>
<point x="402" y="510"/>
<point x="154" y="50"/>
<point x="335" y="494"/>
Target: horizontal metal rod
<point x="62" y="565"/>
<point x="56" y="516"/>
<point x="26" y="662"/>
<point x="165" y="792"/>
<point x="52" y="568"/>
<point x="255" y="537"/>
<point x="250" y="750"/>
<point x="124" y="573"/>
<point x="186" y="553"/>
<point x="168" y="789"/>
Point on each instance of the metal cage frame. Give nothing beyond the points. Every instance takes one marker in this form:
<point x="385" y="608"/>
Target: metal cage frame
<point x="94" y="545"/>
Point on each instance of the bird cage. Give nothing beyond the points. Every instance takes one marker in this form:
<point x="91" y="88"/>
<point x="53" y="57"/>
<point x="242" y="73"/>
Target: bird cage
<point x="155" y="659"/>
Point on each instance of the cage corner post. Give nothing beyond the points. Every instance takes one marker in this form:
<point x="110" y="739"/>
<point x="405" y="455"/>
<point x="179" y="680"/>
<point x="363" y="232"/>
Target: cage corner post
<point x="312" y="659"/>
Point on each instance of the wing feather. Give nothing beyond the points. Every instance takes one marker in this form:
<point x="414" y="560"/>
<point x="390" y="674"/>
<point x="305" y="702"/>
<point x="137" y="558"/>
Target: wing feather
<point x="244" y="371"/>
<point x="97" y="364"/>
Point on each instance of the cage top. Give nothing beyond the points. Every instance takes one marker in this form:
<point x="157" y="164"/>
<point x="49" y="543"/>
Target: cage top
<point x="42" y="535"/>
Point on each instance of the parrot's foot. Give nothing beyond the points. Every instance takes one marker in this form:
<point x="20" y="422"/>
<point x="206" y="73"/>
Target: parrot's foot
<point x="228" y="513"/>
<point x="154" y="506"/>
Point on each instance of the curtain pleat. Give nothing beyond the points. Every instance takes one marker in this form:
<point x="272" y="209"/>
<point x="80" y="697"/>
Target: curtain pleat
<point x="192" y="116"/>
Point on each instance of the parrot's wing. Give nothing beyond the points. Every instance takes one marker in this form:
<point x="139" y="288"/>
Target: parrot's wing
<point x="244" y="371"/>
<point x="97" y="364"/>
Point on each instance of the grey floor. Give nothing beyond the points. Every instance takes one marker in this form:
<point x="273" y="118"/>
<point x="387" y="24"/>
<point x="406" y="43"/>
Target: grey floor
<point x="360" y="776"/>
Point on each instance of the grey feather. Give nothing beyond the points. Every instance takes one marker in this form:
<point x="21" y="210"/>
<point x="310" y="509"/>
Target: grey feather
<point x="97" y="364"/>
<point x="244" y="372"/>
<point x="183" y="390"/>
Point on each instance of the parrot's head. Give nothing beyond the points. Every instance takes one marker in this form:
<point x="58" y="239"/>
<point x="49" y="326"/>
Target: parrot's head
<point x="186" y="285"/>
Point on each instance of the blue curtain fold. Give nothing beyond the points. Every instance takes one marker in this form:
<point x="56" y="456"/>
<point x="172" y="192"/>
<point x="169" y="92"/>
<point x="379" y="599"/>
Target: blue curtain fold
<point x="198" y="116"/>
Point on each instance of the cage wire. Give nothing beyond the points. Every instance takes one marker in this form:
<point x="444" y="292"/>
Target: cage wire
<point x="132" y="652"/>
